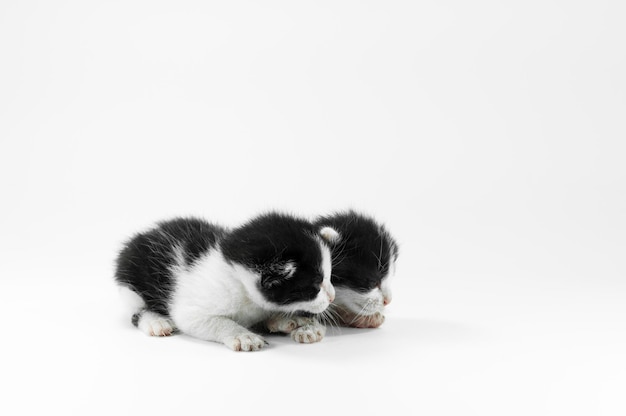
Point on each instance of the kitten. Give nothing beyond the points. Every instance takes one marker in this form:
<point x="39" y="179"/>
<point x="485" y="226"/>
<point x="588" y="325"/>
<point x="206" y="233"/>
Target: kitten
<point x="363" y="261"/>
<point x="214" y="284"/>
<point x="364" y="256"/>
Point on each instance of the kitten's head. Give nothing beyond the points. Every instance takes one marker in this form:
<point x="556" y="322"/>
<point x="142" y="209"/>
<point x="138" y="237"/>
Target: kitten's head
<point x="288" y="260"/>
<point x="363" y="262"/>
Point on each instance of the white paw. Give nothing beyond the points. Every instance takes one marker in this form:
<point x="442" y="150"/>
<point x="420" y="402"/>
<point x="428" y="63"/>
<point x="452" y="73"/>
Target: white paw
<point x="309" y="333"/>
<point x="155" y="325"/>
<point x="286" y="324"/>
<point x="245" y="342"/>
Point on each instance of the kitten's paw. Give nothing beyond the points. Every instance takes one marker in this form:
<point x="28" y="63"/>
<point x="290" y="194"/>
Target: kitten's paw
<point x="155" y="325"/>
<point x="363" y="321"/>
<point x="287" y="325"/>
<point x="309" y="333"/>
<point x="245" y="342"/>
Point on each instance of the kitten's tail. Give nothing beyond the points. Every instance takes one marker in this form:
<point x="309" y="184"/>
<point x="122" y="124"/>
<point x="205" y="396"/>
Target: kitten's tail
<point x="133" y="303"/>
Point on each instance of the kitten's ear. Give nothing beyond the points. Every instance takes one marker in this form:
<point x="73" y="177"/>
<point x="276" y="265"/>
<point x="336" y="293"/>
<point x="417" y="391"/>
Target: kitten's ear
<point x="330" y="235"/>
<point x="278" y="273"/>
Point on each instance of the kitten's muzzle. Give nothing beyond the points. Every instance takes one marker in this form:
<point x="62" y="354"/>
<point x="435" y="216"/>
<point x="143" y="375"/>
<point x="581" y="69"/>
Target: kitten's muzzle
<point x="330" y="292"/>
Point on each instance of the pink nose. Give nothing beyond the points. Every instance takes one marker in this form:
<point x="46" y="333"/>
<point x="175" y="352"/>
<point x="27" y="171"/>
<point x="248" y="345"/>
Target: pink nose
<point x="387" y="301"/>
<point x="331" y="298"/>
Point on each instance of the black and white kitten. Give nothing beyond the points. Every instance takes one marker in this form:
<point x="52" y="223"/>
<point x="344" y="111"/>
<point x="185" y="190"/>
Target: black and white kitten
<point x="363" y="261"/>
<point x="214" y="284"/>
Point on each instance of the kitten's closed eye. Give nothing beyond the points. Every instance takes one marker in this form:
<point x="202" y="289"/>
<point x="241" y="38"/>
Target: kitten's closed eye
<point x="277" y="273"/>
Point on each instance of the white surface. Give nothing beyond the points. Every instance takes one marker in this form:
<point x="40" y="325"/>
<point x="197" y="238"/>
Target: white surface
<point x="488" y="136"/>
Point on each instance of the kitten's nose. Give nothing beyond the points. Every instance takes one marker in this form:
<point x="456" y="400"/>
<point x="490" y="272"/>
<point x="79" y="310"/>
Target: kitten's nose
<point x="386" y="301"/>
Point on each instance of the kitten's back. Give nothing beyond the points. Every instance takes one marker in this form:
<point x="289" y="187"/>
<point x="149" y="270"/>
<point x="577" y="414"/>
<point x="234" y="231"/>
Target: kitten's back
<point x="145" y="263"/>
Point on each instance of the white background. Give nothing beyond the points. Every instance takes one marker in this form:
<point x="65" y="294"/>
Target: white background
<point x="489" y="136"/>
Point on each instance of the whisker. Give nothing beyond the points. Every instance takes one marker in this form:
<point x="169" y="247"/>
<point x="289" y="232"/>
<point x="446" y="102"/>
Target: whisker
<point x="332" y="316"/>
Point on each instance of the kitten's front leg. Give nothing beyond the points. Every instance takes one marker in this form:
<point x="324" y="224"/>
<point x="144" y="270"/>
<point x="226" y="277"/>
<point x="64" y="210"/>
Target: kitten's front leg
<point x="302" y="329"/>
<point x="221" y="329"/>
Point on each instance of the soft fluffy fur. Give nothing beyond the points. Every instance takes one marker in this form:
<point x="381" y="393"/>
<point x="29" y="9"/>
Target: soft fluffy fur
<point x="364" y="255"/>
<point x="214" y="284"/>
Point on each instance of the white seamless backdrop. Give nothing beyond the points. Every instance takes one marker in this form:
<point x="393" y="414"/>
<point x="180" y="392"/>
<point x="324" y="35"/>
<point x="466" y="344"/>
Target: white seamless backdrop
<point x="488" y="136"/>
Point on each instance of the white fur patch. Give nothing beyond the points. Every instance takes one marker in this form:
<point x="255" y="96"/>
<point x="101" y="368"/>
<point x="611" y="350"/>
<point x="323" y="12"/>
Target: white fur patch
<point x="330" y="234"/>
<point x="212" y="287"/>
<point x="131" y="301"/>
<point x="327" y="269"/>
<point x="385" y="287"/>
<point x="217" y="301"/>
<point x="326" y="261"/>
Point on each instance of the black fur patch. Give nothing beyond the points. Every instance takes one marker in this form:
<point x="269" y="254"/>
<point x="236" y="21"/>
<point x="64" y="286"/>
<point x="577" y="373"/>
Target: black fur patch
<point x="269" y="242"/>
<point x="363" y="254"/>
<point x="135" y="319"/>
